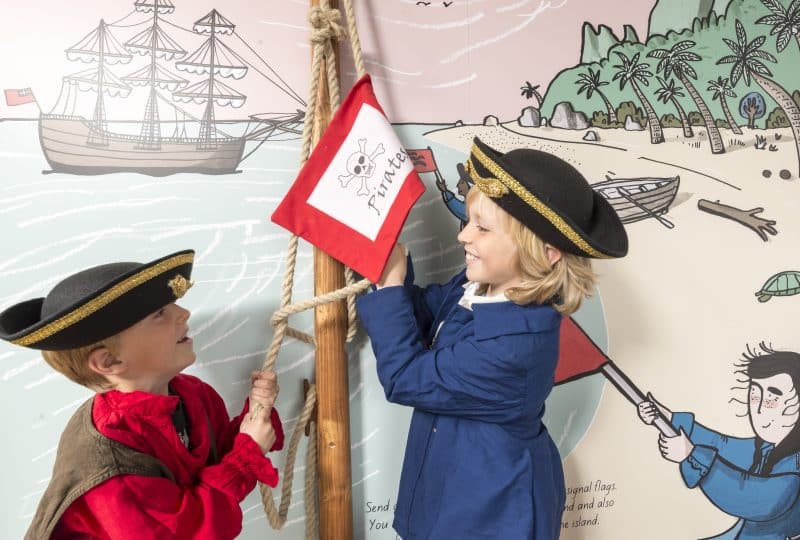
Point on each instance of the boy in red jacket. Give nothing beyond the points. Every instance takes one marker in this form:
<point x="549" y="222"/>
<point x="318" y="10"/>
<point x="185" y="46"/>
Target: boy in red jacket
<point x="153" y="454"/>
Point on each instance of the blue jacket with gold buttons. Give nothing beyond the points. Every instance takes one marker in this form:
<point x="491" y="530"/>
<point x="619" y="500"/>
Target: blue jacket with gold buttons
<point x="479" y="463"/>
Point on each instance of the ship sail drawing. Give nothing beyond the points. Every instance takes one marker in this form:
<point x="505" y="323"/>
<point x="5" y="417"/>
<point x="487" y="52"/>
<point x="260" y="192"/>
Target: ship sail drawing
<point x="74" y="144"/>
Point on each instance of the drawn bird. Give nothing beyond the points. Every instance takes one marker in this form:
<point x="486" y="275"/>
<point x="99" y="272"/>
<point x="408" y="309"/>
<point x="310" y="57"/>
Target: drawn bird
<point x="423" y="3"/>
<point x="447" y="4"/>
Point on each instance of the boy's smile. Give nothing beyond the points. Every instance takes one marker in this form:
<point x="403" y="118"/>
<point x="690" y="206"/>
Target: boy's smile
<point x="490" y="252"/>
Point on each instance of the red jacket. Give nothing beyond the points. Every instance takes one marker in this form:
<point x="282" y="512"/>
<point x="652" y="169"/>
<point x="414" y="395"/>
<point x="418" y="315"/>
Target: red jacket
<point x="203" y="502"/>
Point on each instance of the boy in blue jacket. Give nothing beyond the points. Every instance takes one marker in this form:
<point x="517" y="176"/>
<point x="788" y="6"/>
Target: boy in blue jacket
<point x="476" y="356"/>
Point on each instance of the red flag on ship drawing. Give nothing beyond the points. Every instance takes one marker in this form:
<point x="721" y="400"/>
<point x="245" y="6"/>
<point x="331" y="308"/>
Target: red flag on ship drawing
<point x="423" y="160"/>
<point x="19" y="96"/>
<point x="354" y="193"/>
<point x="579" y="356"/>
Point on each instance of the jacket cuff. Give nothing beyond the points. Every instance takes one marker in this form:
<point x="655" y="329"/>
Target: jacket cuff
<point x="695" y="467"/>
<point x="371" y="306"/>
<point x="277" y="426"/>
<point x="683" y="420"/>
<point x="246" y="457"/>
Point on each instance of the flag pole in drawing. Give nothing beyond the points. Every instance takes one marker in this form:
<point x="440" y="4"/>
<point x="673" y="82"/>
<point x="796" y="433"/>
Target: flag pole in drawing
<point x="19" y="96"/>
<point x="354" y="193"/>
<point x="579" y="356"/>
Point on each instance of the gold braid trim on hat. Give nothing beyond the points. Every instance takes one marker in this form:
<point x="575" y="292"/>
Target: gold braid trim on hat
<point x="104" y="299"/>
<point x="509" y="182"/>
<point x="492" y="187"/>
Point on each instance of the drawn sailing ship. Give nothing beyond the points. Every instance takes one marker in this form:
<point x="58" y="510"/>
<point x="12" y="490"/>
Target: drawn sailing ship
<point x="635" y="199"/>
<point x="75" y="144"/>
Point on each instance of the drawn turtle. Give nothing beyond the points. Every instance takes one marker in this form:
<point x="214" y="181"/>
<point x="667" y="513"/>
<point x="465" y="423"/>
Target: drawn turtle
<point x="781" y="284"/>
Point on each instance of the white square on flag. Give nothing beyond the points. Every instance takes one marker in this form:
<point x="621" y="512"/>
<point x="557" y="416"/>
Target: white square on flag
<point x="354" y="193"/>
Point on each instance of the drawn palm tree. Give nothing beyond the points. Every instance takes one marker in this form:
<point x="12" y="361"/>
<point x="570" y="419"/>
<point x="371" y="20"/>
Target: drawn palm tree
<point x="669" y="91"/>
<point x="528" y="90"/>
<point x="784" y="21"/>
<point x="631" y="71"/>
<point x="722" y="89"/>
<point x="746" y="60"/>
<point x="590" y="83"/>
<point x="676" y="60"/>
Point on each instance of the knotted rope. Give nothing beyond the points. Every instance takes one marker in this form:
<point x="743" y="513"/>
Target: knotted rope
<point x="326" y="30"/>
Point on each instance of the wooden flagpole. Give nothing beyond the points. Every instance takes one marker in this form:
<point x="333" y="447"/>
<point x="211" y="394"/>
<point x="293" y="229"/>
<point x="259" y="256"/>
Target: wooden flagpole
<point x="330" y="327"/>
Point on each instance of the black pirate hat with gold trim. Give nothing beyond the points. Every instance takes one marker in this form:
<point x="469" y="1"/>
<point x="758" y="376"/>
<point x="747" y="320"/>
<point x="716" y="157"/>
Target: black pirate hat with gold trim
<point x="550" y="197"/>
<point x="97" y="303"/>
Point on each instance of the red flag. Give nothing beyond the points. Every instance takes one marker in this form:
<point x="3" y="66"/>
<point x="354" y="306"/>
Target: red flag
<point x="422" y="159"/>
<point x="354" y="193"/>
<point x="579" y="356"/>
<point x="19" y="96"/>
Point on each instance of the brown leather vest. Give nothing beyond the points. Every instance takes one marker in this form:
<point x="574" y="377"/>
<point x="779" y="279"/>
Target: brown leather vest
<point x="84" y="459"/>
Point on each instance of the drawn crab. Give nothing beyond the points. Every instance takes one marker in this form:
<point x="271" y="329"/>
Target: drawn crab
<point x="361" y="166"/>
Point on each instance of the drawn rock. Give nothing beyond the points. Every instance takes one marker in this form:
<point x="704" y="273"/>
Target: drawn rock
<point x="632" y="125"/>
<point x="590" y="136"/>
<point x="491" y="120"/>
<point x="785" y="174"/>
<point x="565" y="117"/>
<point x="529" y="117"/>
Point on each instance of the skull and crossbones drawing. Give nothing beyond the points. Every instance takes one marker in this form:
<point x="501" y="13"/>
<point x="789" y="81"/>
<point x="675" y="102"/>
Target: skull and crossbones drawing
<point x="361" y="166"/>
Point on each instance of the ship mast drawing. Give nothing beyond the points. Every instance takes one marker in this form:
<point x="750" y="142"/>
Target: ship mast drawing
<point x="74" y="144"/>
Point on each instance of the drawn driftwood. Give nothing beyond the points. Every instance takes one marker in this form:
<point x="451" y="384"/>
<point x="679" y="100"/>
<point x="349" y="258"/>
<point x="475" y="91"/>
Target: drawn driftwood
<point x="748" y="218"/>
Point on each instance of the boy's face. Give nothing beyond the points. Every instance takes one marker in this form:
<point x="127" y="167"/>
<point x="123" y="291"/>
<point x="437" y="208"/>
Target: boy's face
<point x="491" y="253"/>
<point x="774" y="408"/>
<point x="156" y="348"/>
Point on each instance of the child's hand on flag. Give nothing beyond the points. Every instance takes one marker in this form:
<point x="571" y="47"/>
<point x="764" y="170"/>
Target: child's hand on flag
<point x="395" y="272"/>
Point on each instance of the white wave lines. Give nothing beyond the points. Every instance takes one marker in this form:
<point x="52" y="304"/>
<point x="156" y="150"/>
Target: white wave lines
<point x="132" y="203"/>
<point x="393" y="70"/>
<point x="239" y="276"/>
<point x="434" y="26"/>
<point x="228" y="308"/>
<point x="225" y="335"/>
<point x="21" y="368"/>
<point x="456" y="82"/>
<point x="210" y="247"/>
<point x="248" y="224"/>
<point x="85" y="241"/>
<point x="370" y="475"/>
<point x="52" y="376"/>
<point x="44" y="454"/>
<point x="363" y="441"/>
<point x="544" y="5"/>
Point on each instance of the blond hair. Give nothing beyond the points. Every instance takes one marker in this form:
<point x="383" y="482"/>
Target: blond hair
<point x="74" y="364"/>
<point x="565" y="283"/>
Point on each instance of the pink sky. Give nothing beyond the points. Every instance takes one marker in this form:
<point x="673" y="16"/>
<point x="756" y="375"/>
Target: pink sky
<point x="429" y="63"/>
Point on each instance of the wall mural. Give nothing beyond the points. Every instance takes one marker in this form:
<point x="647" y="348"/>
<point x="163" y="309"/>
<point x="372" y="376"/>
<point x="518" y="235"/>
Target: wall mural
<point x="131" y="129"/>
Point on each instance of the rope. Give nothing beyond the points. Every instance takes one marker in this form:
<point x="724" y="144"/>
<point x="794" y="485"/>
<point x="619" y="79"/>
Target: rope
<point x="327" y="28"/>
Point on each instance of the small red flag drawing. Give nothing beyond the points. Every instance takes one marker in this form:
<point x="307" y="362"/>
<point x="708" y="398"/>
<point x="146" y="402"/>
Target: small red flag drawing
<point x="19" y="96"/>
<point x="353" y="195"/>
<point x="579" y="356"/>
<point x="422" y="159"/>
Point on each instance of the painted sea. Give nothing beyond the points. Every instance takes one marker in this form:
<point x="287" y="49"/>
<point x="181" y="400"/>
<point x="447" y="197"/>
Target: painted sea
<point x="54" y="224"/>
